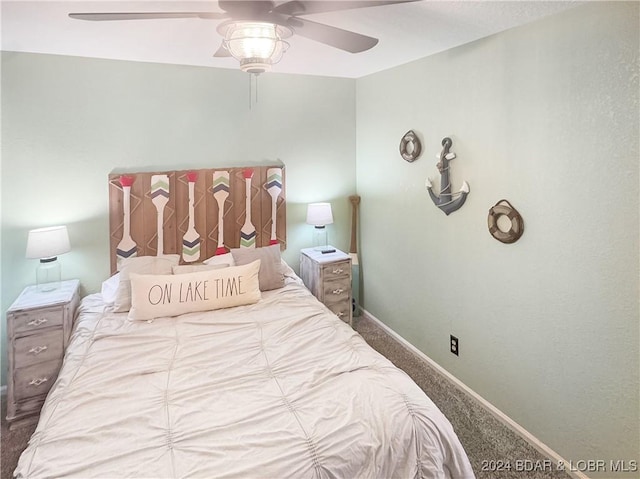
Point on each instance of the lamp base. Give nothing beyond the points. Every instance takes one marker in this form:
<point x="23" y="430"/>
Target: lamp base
<point x="320" y="238"/>
<point x="48" y="275"/>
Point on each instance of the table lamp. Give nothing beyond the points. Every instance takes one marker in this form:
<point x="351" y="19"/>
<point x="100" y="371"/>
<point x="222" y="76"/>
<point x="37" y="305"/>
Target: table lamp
<point x="46" y="244"/>
<point x="319" y="215"/>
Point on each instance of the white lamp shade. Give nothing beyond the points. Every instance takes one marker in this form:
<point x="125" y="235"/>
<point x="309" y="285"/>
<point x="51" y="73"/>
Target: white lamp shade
<point x="48" y="242"/>
<point x="319" y="214"/>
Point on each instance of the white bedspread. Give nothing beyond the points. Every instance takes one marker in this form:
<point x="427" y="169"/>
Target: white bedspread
<point x="278" y="389"/>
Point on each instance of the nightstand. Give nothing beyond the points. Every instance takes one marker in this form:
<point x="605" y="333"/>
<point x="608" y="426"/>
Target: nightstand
<point x="38" y="329"/>
<point x="328" y="277"/>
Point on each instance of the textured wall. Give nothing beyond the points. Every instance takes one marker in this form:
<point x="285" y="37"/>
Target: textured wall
<point x="545" y="115"/>
<point x="68" y="122"/>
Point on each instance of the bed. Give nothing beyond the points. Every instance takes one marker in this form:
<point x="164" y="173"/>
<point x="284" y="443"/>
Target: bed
<point x="275" y="386"/>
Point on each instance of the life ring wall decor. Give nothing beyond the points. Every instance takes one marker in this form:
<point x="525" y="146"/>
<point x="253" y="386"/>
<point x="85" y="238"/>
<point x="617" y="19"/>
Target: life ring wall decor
<point x="517" y="224"/>
<point x="410" y="146"/>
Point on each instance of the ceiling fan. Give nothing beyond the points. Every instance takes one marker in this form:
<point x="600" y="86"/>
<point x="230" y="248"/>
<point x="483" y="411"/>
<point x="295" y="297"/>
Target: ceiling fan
<point x="255" y="31"/>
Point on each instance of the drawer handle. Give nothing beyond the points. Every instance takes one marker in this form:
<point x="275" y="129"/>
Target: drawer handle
<point x="38" y="381"/>
<point x="340" y="314"/>
<point x="338" y="271"/>
<point x="37" y="350"/>
<point x="338" y="291"/>
<point x="37" y="322"/>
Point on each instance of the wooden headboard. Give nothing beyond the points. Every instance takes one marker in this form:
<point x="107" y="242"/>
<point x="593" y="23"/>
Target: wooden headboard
<point x="182" y="209"/>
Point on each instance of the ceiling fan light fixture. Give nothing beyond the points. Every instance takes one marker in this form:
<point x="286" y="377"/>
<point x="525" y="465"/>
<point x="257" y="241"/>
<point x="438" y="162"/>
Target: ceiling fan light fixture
<point x="256" y="45"/>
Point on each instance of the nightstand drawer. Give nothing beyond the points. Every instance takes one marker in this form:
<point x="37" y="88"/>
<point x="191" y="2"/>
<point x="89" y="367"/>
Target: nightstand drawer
<point x="35" y="380"/>
<point x="337" y="270"/>
<point x="342" y="310"/>
<point x="40" y="319"/>
<point x="38" y="348"/>
<point x="336" y="290"/>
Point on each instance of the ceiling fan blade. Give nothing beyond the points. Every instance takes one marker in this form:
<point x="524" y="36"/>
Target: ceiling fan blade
<point x="222" y="52"/>
<point x="109" y="16"/>
<point x="307" y="7"/>
<point x="246" y="8"/>
<point x="336" y="37"/>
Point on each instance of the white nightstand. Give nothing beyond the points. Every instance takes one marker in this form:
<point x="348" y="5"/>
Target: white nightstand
<point x="328" y="277"/>
<point x="38" y="329"/>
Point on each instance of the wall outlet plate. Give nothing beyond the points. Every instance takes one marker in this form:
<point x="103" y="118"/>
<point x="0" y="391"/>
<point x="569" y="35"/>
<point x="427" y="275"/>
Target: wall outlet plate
<point x="453" y="342"/>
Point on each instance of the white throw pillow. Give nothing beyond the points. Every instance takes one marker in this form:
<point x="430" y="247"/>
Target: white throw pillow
<point x="271" y="272"/>
<point x="226" y="259"/>
<point x="140" y="265"/>
<point x="156" y="296"/>
<point x="109" y="289"/>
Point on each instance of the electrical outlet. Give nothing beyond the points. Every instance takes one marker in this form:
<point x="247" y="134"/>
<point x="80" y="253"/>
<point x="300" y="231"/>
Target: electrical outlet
<point x="454" y="345"/>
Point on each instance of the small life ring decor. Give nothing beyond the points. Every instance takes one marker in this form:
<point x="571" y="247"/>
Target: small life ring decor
<point x="410" y="147"/>
<point x="517" y="224"/>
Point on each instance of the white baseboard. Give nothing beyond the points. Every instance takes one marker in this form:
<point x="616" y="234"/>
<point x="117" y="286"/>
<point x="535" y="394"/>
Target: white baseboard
<point x="497" y="413"/>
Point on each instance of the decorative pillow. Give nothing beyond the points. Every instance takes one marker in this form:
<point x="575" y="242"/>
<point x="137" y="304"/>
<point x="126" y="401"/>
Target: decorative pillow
<point x="193" y="268"/>
<point x="271" y="272"/>
<point x="226" y="258"/>
<point x="140" y="265"/>
<point x="110" y="289"/>
<point x="155" y="296"/>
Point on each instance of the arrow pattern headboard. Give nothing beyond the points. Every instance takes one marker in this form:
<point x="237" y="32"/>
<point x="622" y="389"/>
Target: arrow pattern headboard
<point x="195" y="213"/>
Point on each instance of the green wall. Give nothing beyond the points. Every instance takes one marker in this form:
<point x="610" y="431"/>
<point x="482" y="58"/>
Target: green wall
<point x="67" y="122"/>
<point x="546" y="116"/>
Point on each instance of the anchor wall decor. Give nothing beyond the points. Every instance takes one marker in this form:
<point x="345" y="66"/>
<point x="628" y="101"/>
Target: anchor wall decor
<point x="447" y="201"/>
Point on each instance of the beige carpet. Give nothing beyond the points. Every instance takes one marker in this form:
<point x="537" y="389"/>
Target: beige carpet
<point x="484" y="438"/>
<point x="13" y="443"/>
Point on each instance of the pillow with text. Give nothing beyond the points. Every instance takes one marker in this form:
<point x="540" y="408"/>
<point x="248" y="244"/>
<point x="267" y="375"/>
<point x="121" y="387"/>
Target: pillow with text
<point x="155" y="296"/>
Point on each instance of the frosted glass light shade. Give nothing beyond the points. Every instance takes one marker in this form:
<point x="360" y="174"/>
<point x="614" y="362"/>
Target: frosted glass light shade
<point x="319" y="214"/>
<point x="256" y="45"/>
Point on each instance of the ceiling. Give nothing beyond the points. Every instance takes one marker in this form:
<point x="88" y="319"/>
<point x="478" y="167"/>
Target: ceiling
<point x="406" y="32"/>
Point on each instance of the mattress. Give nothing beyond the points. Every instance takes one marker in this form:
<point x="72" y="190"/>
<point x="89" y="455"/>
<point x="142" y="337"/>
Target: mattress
<point x="277" y="389"/>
